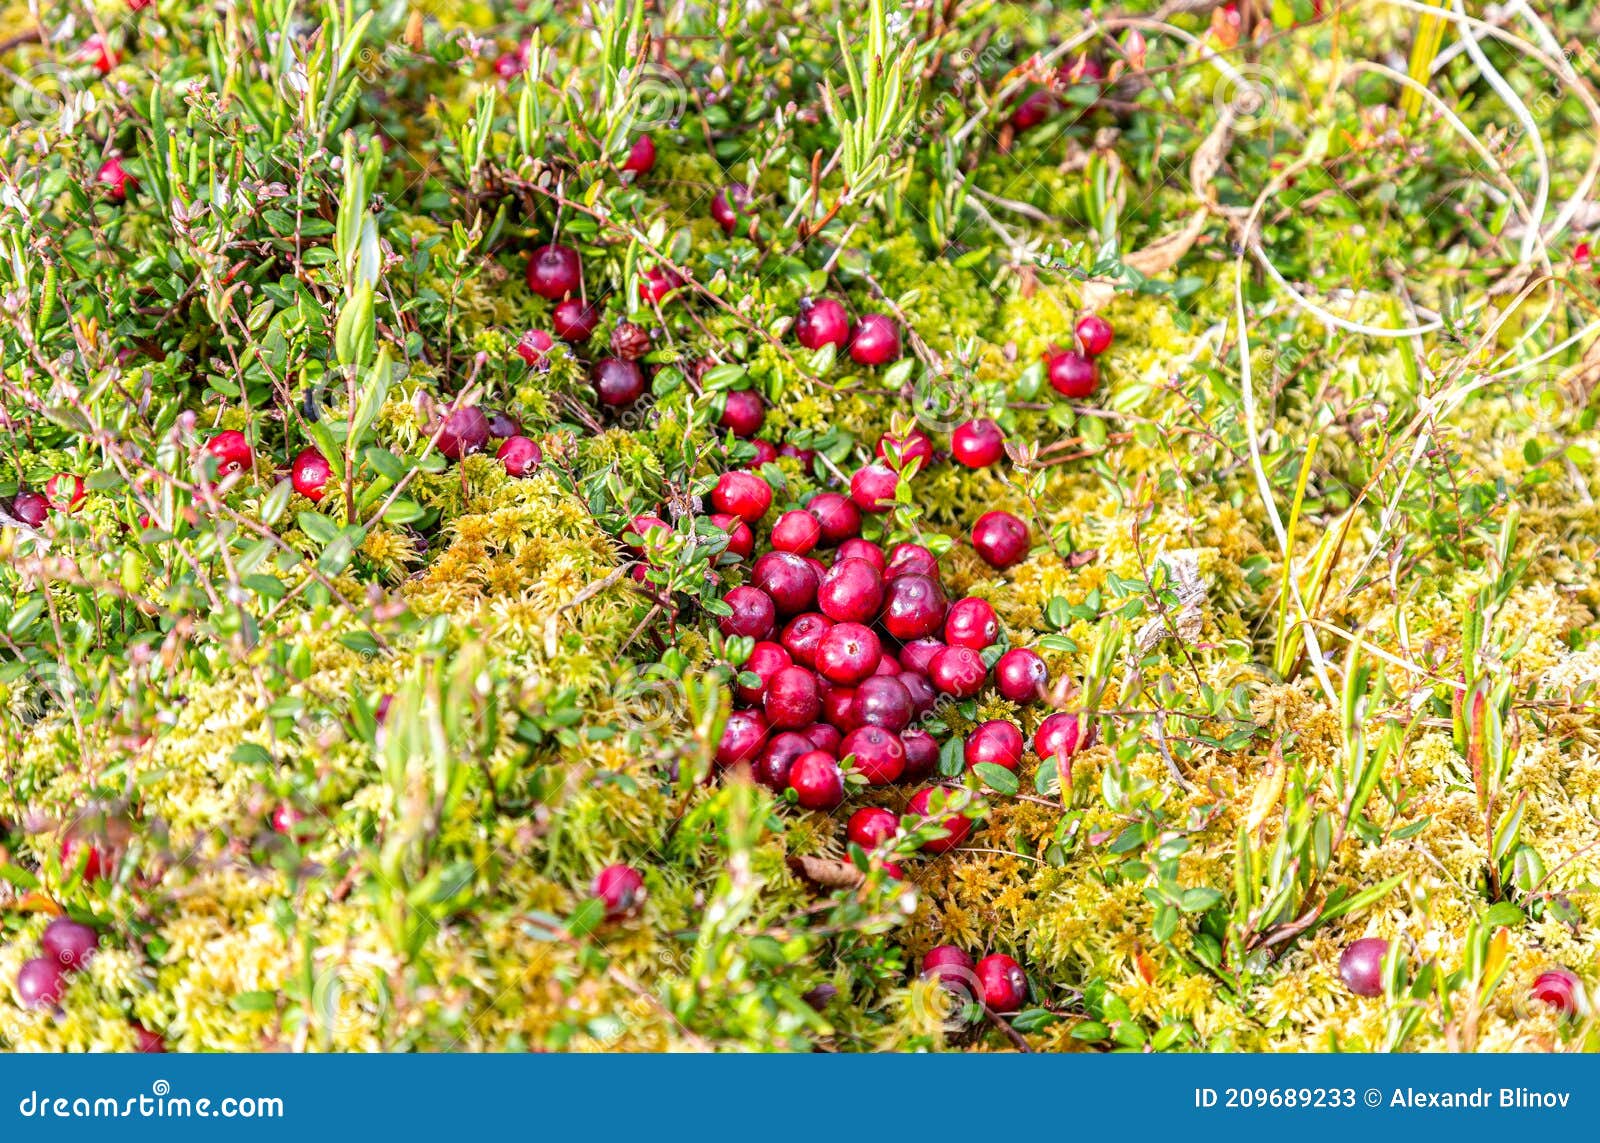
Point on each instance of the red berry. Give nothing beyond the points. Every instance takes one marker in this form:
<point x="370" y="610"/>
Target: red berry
<point x="69" y="943"/>
<point x="922" y="752"/>
<point x="913" y="607"/>
<point x="873" y="487"/>
<point x="950" y="966"/>
<point x="310" y="473"/>
<point x="817" y="780"/>
<point x="657" y="282"/>
<point x="805" y="456"/>
<point x="620" y="888"/>
<point x="115" y="178"/>
<point x="1058" y="736"/>
<point x="641" y="156"/>
<point x="744" y="494"/>
<point x="911" y="559"/>
<point x="533" y="345"/>
<point x="31" y="508"/>
<point x="1000" y="539"/>
<point x="1021" y="676"/>
<point x="957" y="671"/>
<point x="851" y="592"/>
<point x="96" y="52"/>
<point x="146" y="1041"/>
<point x="64" y="491"/>
<point x="743" y="412"/>
<point x="1560" y="989"/>
<point x="977" y="444"/>
<point x="1033" y="110"/>
<point x="917" y="655"/>
<point x="1071" y="374"/>
<point x="875" y="340"/>
<point x="822" y="322"/>
<point x="766" y="660"/>
<point x="997" y="743"/>
<point x="772" y="768"/>
<point x="642" y="525"/>
<point x="914" y="446"/>
<point x="464" y="431"/>
<point x="1002" y="982"/>
<point x="855" y="548"/>
<point x="41" y="983"/>
<point x="753" y="613"/>
<point x="520" y="456"/>
<point x="882" y="700"/>
<point x="617" y="382"/>
<point x="728" y="204"/>
<point x="848" y="653"/>
<point x="554" y="271"/>
<point x="788" y="579"/>
<point x="923" y="697"/>
<point x="971" y="623"/>
<point x="575" y="320"/>
<point x="503" y="426"/>
<point x="509" y="65"/>
<point x="1361" y="966"/>
<point x="888" y="665"/>
<point x="793" y="699"/>
<point x="285" y="817"/>
<point x="839" y="709"/>
<point x="824" y="736"/>
<point x="958" y="826"/>
<point x="880" y="757"/>
<point x="870" y="826"/>
<point x="1094" y="335"/>
<point x="741" y="540"/>
<point x="742" y="738"/>
<point x="232" y="451"/>
<point x="765" y="454"/>
<point x="802" y="635"/>
<point x="796" y="531"/>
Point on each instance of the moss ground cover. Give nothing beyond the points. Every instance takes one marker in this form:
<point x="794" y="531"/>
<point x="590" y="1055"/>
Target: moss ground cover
<point x="330" y="751"/>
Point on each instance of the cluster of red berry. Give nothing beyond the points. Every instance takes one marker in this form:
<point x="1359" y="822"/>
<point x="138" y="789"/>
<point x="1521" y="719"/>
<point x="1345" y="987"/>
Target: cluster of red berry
<point x="68" y="946"/>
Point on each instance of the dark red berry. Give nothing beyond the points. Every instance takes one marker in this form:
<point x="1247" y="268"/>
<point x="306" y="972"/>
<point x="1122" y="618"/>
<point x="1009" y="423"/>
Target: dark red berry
<point x="743" y="413"/>
<point x="310" y="473"/>
<point x="232" y="451"/>
<point x="753" y="613"/>
<point x="617" y="382"/>
<point x="917" y="655"/>
<point x="41" y="983"/>
<point x="977" y="444"/>
<point x="851" y="592"/>
<point x="641" y="156"/>
<point x="1033" y="110"/>
<point x="509" y="65"/>
<point x="1000" y="539"/>
<point x="1021" y="676"/>
<point x="870" y="826"/>
<point x="147" y="1042"/>
<point x="957" y="826"/>
<point x="897" y="452"/>
<point x="575" y="320"/>
<point x="554" y="271"/>
<point x="803" y="634"/>
<point x="923" y="697"/>
<point x="817" y="780"/>
<point x="115" y="178"/>
<point x="533" y="345"/>
<point x="744" y="494"/>
<point x="888" y="665"/>
<point x="788" y="579"/>
<point x="620" y="889"/>
<point x="950" y="966"/>
<point x="848" y="653"/>
<point x="1058" y="736"/>
<point x="1094" y="335"/>
<point x="880" y="757"/>
<point x="822" y="322"/>
<point x="873" y="488"/>
<point x="519" y="455"/>
<point x="824" y="736"/>
<point x="742" y="738"/>
<point x="728" y="204"/>
<point x="766" y="453"/>
<point x="922" y="753"/>
<point x="464" y="431"/>
<point x="285" y="818"/>
<point x="1071" y="374"/>
<point x="503" y="426"/>
<point x="875" y="340"/>
<point x="882" y="700"/>
<point x="855" y="548"/>
<point x="839" y="709"/>
<point x="796" y="531"/>
<point x="771" y="769"/>
<point x="957" y="671"/>
<point x="31" y="508"/>
<point x="657" y="282"/>
<point x="1361" y="966"/>
<point x="1002" y="982"/>
<point x="741" y="540"/>
<point x="911" y="559"/>
<point x="766" y="660"/>
<point x="997" y="743"/>
<point x="793" y="699"/>
<point x="1560" y="989"/>
<point x="971" y="623"/>
<point x="70" y="944"/>
<point x="804" y="456"/>
<point x="913" y="607"/>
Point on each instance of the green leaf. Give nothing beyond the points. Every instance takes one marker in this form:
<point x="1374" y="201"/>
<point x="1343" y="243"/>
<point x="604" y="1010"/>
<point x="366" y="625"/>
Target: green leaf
<point x="997" y="778"/>
<point x="318" y="527"/>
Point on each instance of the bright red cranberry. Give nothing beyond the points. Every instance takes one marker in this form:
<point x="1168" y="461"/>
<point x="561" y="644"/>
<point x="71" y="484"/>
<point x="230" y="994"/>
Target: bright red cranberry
<point x="617" y="382"/>
<point x="145" y="1041"/>
<point x="741" y="540"/>
<point x="575" y="320"/>
<point x="1058" y="736"/>
<point x="771" y="769"/>
<point x="744" y="494"/>
<point x="641" y="156"/>
<point x="796" y="531"/>
<point x="851" y="592"/>
<point x="873" y="487"/>
<point x="817" y="780"/>
<point x="848" y="653"/>
<point x="923" y="697"/>
<point x="65" y="491"/>
<point x="743" y="412"/>
<point x="870" y="826"/>
<point x="837" y="517"/>
<point x="1001" y="539"/>
<point x="41" y="983"/>
<point x="554" y="271"/>
<point x="1560" y="989"/>
<point x="922" y="753"/>
<point x="232" y="451"/>
<point x="824" y="736"/>
<point x="792" y="699"/>
<point x="657" y="282"/>
<point x="855" y="548"/>
<point x="742" y="738"/>
<point x="888" y="665"/>
<point x="69" y="943"/>
<point x="620" y="889"/>
<point x="917" y="655"/>
<point x="957" y="671"/>
<point x="729" y="204"/>
<point x="766" y="453"/>
<point x="520" y="456"/>
<point x="911" y="559"/>
<point x="822" y="322"/>
<point x="971" y="623"/>
<point x="875" y="340"/>
<point x="310" y="473"/>
<point x="977" y="444"/>
<point x="1021" y="676"/>
<point x="950" y="966"/>
<point x="882" y="700"/>
<point x="1094" y="335"/>
<point x="1033" y="110"/>
<point x="788" y="579"/>
<point x="642" y="526"/>
<point x="115" y="178"/>
<point x="1361" y="966"/>
<point x="839" y="709"/>
<point x="996" y="742"/>
<point x="913" y="607"/>
<point x="1003" y="983"/>
<point x="464" y="431"/>
<point x="766" y="659"/>
<point x="31" y="508"/>
<point x="915" y="446"/>
<point x="76" y="847"/>
<point x="1071" y="374"/>
<point x="802" y="636"/>
<point x="285" y="818"/>
<point x="880" y="757"/>
<point x="753" y="613"/>
<point x="533" y="345"/>
<point x="957" y="826"/>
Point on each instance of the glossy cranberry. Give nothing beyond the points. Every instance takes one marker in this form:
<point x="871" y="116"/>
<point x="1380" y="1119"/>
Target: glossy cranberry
<point x="657" y="282"/>
<point x="873" y="488"/>
<point x="464" y="431"/>
<point x="1094" y="335"/>
<point x="533" y="345"/>
<point x="1058" y="736"/>
<point x="743" y="412"/>
<point x="971" y="623"/>
<point x="875" y="340"/>
<point x="915" y="446"/>
<point x="554" y="271"/>
<point x="285" y="818"/>
<point x="917" y="655"/>
<point x="520" y="456"/>
<point x="741" y="540"/>
<point x="1002" y="982"/>
<point x="503" y="426"/>
<point x="1021" y="676"/>
<point x="729" y="204"/>
<point x="742" y="738"/>
<point x="766" y="453"/>
<point x="1361" y="966"/>
<point x="232" y="451"/>
<point x="147" y="1042"/>
<point x="1071" y="374"/>
<point x="642" y="526"/>
<point x="839" y="709"/>
<point x="957" y="671"/>
<point x="766" y="660"/>
<point x="753" y="613"/>
<point x="922" y="754"/>
<point x="744" y="494"/>
<point x="879" y="755"/>
<point x="802" y="636"/>
<point x="1560" y="989"/>
<point x="837" y="516"/>
<point x="851" y="592"/>
<point x="69" y="943"/>
<point x="817" y="780"/>
<point x="824" y="736"/>
<point x="997" y="743"/>
<point x="620" y="889"/>
<point x="870" y="826"/>
<point x="796" y="531"/>
<point x="848" y="653"/>
<point x="856" y="548"/>
<point x="31" y="508"/>
<point x="822" y="322"/>
<point x="771" y="769"/>
<point x="41" y="983"/>
<point x="882" y="700"/>
<point x="911" y="559"/>
<point x="793" y="699"/>
<point x="309" y="474"/>
<point x="977" y="444"/>
<point x="641" y="156"/>
<point x="65" y="491"/>
<point x="888" y="665"/>
<point x="958" y="826"/>
<point x="950" y="966"/>
<point x="1000" y="539"/>
<point x="76" y="847"/>
<point x="788" y="579"/>
<point x="575" y="320"/>
<point x="913" y="607"/>
<point x="115" y="178"/>
<point x="617" y="382"/>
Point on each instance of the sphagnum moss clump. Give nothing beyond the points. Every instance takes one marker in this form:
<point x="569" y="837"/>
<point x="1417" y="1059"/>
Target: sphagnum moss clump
<point x="339" y="773"/>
